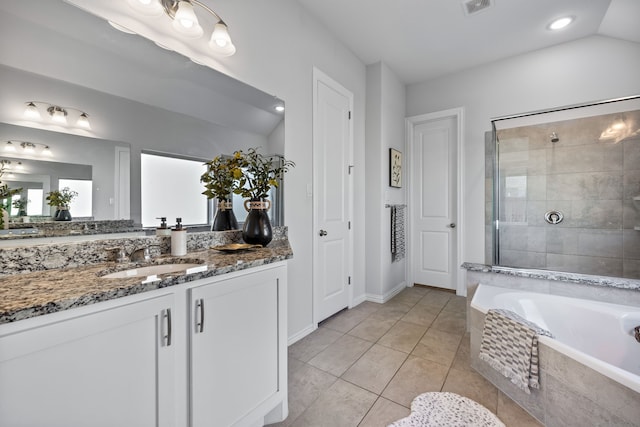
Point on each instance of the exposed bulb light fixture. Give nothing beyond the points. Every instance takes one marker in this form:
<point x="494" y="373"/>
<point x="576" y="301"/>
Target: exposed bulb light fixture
<point x="185" y="20"/>
<point x="83" y="121"/>
<point x="560" y="23"/>
<point x="27" y="147"/>
<point x="186" y="23"/>
<point x="146" y="7"/>
<point x="57" y="114"/>
<point x="31" y="111"/>
<point x="9" y="147"/>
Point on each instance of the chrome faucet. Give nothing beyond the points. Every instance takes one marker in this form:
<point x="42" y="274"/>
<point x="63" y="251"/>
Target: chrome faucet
<point x="139" y="254"/>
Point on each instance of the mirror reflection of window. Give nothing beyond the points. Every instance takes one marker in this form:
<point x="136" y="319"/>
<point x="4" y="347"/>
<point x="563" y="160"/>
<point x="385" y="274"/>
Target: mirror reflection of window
<point x="35" y="197"/>
<point x="171" y="188"/>
<point x="82" y="205"/>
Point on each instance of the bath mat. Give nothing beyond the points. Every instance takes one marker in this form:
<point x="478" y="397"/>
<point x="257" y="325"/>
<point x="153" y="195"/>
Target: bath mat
<point x="510" y="346"/>
<point x="442" y="409"/>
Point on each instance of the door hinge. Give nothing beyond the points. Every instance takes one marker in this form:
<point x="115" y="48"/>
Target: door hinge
<point x="349" y="280"/>
<point x="349" y="225"/>
<point x="349" y="115"/>
<point x="349" y="168"/>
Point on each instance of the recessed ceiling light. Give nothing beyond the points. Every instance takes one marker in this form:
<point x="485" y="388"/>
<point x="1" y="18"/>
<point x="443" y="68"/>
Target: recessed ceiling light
<point x="560" y="23"/>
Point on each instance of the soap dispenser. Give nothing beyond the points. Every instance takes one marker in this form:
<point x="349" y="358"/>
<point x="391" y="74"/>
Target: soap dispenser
<point x="178" y="239"/>
<point x="163" y="230"/>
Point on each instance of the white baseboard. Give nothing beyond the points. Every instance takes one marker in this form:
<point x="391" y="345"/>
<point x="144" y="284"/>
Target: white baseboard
<point x="358" y="300"/>
<point x="301" y="334"/>
<point x="381" y="299"/>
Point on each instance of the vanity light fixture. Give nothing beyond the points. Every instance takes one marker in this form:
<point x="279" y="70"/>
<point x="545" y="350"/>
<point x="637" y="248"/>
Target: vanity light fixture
<point x="32" y="112"/>
<point x="146" y="7"/>
<point x="560" y="23"/>
<point x="9" y="147"/>
<point x="186" y="23"/>
<point x="27" y="147"/>
<point x="57" y="114"/>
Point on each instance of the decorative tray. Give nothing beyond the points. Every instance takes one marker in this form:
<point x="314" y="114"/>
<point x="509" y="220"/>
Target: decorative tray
<point x="234" y="247"/>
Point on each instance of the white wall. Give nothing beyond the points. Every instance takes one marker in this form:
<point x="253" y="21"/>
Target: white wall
<point x="589" y="69"/>
<point x="278" y="44"/>
<point x="384" y="129"/>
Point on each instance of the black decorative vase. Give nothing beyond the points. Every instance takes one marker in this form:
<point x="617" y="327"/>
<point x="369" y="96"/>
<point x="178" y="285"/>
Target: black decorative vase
<point x="225" y="219"/>
<point x="62" y="214"/>
<point x="257" y="226"/>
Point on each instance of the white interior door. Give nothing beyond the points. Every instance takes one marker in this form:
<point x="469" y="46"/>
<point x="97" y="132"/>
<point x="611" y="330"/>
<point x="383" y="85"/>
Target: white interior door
<point x="332" y="151"/>
<point x="433" y="202"/>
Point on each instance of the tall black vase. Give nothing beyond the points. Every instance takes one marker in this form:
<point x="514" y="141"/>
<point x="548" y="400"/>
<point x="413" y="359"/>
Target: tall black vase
<point x="62" y="214"/>
<point x="225" y="219"/>
<point x="257" y="226"/>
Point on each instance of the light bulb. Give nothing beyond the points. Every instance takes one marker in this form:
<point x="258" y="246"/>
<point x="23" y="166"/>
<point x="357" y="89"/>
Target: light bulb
<point x="29" y="148"/>
<point x="20" y="166"/>
<point x="83" y="121"/>
<point x="10" y="147"/>
<point x="146" y="7"/>
<point x="31" y="112"/>
<point x="220" y="41"/>
<point x="47" y="151"/>
<point x="185" y="20"/>
<point x="280" y="108"/>
<point x="559" y="24"/>
<point x="58" y="114"/>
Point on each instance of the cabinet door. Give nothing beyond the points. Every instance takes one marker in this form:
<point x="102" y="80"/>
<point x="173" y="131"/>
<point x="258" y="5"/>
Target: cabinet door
<point x="234" y="348"/>
<point x="112" y="367"/>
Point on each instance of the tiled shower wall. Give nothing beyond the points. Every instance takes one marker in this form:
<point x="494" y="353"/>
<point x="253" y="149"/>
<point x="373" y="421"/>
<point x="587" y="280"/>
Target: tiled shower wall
<point x="592" y="181"/>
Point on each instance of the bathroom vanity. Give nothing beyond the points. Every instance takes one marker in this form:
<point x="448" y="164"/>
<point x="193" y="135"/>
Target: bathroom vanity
<point x="208" y="348"/>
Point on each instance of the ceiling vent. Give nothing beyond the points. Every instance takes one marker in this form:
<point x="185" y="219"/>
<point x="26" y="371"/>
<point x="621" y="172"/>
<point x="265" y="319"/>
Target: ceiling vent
<point x="472" y="7"/>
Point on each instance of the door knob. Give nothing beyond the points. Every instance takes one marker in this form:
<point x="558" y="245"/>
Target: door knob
<point x="452" y="225"/>
<point x="322" y="233"/>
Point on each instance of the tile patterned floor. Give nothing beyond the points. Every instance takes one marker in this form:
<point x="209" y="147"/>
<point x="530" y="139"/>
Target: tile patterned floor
<point x="363" y="367"/>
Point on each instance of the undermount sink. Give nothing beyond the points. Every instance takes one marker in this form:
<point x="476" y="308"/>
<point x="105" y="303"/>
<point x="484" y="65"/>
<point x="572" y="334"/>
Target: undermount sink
<point x="152" y="271"/>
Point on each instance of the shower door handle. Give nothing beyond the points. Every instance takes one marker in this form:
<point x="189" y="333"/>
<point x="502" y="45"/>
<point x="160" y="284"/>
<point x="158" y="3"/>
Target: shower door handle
<point x="452" y="225"/>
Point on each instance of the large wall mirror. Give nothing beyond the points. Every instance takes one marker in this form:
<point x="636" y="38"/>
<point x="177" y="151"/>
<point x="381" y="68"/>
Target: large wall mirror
<point x="139" y="97"/>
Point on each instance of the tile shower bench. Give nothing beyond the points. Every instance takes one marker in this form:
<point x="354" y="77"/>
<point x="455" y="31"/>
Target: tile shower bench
<point x="207" y="348"/>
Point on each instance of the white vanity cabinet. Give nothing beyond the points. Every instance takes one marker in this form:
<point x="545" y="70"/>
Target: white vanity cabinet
<point x="212" y="352"/>
<point x="110" y="364"/>
<point x="238" y="349"/>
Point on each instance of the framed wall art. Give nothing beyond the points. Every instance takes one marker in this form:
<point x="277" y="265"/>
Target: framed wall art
<point x="395" y="168"/>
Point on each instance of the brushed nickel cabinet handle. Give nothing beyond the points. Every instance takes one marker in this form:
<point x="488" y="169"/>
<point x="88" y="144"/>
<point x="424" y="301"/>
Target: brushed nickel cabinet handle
<point x="200" y="315"/>
<point x="167" y="336"/>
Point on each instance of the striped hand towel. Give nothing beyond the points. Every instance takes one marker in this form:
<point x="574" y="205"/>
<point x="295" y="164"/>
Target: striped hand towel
<point x="510" y="346"/>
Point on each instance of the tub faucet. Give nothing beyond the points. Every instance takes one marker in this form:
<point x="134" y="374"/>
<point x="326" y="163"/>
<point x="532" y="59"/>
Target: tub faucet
<point x="637" y="333"/>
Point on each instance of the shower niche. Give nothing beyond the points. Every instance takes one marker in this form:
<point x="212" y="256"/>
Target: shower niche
<point x="563" y="189"/>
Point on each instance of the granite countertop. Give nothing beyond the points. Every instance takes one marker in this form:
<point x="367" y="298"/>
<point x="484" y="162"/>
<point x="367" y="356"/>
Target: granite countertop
<point x="585" y="279"/>
<point x="33" y="294"/>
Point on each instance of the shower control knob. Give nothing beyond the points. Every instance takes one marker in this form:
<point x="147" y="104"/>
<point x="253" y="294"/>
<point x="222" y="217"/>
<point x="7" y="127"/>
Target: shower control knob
<point x="322" y="233"/>
<point x="452" y="225"/>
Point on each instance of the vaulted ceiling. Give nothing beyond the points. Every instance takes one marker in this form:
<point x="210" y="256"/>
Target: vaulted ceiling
<point x="424" y="39"/>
